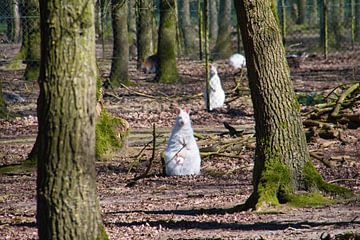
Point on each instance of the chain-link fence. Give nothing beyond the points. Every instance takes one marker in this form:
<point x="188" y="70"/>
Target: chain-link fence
<point x="321" y="28"/>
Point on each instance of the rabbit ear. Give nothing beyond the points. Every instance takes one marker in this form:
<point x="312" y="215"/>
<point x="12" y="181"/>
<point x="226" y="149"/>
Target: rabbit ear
<point x="177" y="110"/>
<point x="187" y="110"/>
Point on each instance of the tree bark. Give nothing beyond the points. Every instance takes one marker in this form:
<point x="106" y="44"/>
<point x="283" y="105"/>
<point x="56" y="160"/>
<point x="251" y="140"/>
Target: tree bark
<point x="301" y="11"/>
<point x="67" y="203"/>
<point x="32" y="57"/>
<point x="282" y="162"/>
<point x="186" y="26"/>
<point x="3" y="107"/>
<point x="357" y="20"/>
<point x="223" y="43"/>
<point x="132" y="28"/>
<point x="167" y="43"/>
<point x="13" y="31"/>
<point x="214" y="27"/>
<point x="119" y="64"/>
<point x="144" y="31"/>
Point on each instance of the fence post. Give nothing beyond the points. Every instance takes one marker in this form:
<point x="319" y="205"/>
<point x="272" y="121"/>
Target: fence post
<point x="200" y="29"/>
<point x="206" y="36"/>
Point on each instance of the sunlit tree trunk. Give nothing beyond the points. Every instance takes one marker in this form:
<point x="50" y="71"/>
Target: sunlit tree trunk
<point x="223" y="43"/>
<point x="67" y="203"/>
<point x="13" y="30"/>
<point x="186" y="26"/>
<point x="214" y="27"/>
<point x="120" y="58"/>
<point x="33" y="40"/>
<point x="357" y="20"/>
<point x="167" y="43"/>
<point x="144" y="31"/>
<point x="132" y="28"/>
<point x="282" y="163"/>
<point x="3" y="108"/>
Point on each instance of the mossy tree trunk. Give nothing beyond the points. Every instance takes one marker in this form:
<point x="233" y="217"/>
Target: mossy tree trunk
<point x="282" y="162"/>
<point x="144" y="31"/>
<point x="223" y="48"/>
<point x="186" y="26"/>
<point x="301" y="11"/>
<point x="120" y="58"/>
<point x="32" y="57"/>
<point x="132" y="27"/>
<point x="336" y="22"/>
<point x="167" y="43"/>
<point x="357" y="20"/>
<point x="214" y="26"/>
<point x="13" y="27"/>
<point x="3" y="108"/>
<point x="67" y="203"/>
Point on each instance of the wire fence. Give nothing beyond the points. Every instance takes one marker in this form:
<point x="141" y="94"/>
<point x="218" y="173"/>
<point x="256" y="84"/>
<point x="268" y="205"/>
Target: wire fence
<point x="332" y="29"/>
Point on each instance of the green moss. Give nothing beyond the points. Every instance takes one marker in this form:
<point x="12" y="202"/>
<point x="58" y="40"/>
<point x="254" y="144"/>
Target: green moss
<point x="274" y="182"/>
<point x="102" y="233"/>
<point x="308" y="200"/>
<point x="32" y="72"/>
<point x="314" y="182"/>
<point x="26" y="166"/>
<point x="111" y="132"/>
<point x="98" y="88"/>
<point x="347" y="236"/>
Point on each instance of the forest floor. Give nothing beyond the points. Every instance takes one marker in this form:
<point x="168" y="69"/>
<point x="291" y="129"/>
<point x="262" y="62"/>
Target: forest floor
<point x="159" y="207"/>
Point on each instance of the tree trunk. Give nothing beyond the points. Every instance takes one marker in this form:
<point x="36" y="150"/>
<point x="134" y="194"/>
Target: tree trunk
<point x="186" y="26"/>
<point x="282" y="162"/>
<point x="119" y="64"/>
<point x="32" y="58"/>
<point x="67" y="203"/>
<point x="357" y="20"/>
<point x="144" y="31"/>
<point x="132" y="28"/>
<point x="223" y="43"/>
<point x="214" y="27"/>
<point x="13" y="20"/>
<point x="3" y="108"/>
<point x="167" y="43"/>
<point x="336" y="22"/>
<point x="301" y="11"/>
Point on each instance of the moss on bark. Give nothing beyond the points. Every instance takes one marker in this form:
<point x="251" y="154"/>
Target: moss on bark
<point x="111" y="132"/>
<point x="167" y="43"/>
<point x="276" y="186"/>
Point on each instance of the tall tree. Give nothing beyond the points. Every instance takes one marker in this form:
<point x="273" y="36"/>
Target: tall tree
<point x="13" y="31"/>
<point x="357" y="20"/>
<point x="186" y="27"/>
<point x="336" y="22"/>
<point x="167" y="43"/>
<point x="3" y="108"/>
<point x="119" y="64"/>
<point x="67" y="203"/>
<point x="144" y="30"/>
<point x="214" y="27"/>
<point x="222" y="48"/>
<point x="132" y="28"/>
<point x="282" y="162"/>
<point x="32" y="57"/>
<point x="301" y="11"/>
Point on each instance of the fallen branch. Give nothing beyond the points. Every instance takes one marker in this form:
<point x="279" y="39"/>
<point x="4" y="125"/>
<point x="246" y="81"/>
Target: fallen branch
<point x="342" y="97"/>
<point x="151" y="160"/>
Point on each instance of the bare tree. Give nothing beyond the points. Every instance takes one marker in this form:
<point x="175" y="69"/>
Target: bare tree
<point x="67" y="203"/>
